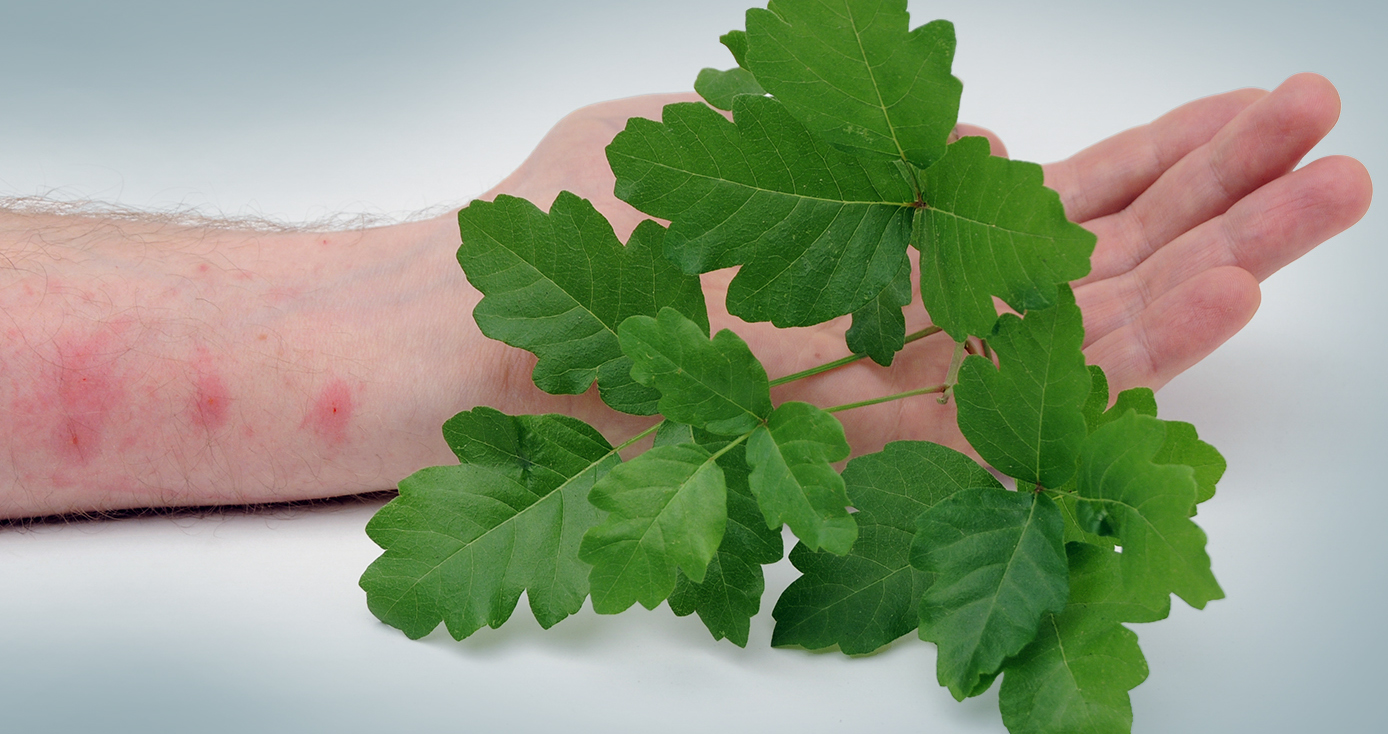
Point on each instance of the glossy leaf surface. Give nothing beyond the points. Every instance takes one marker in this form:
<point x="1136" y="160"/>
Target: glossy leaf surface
<point x="462" y="542"/>
<point x="818" y="233"/>
<point x="1026" y="417"/>
<point x="715" y="384"/>
<point x="667" y="511"/>
<point x="869" y="597"/>
<point x="856" y="75"/>
<point x="990" y="228"/>
<point x="998" y="564"/>
<point x="559" y="284"/>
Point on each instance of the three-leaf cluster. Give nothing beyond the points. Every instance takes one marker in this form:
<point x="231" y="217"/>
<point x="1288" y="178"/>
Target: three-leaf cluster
<point x="837" y="156"/>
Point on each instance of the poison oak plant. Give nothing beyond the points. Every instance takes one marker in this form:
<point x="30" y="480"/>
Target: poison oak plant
<point x="836" y="160"/>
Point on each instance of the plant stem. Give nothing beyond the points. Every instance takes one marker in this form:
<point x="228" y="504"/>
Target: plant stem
<point x="637" y="437"/>
<point x="729" y="447"/>
<point x="952" y="376"/>
<point x="886" y="399"/>
<point x="847" y="360"/>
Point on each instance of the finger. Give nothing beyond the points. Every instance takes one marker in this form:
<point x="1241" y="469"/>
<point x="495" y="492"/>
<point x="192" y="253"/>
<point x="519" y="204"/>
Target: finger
<point x="1107" y="176"/>
<point x="1262" y="233"/>
<point x="1263" y="142"/>
<point x="1178" y="329"/>
<point x="995" y="145"/>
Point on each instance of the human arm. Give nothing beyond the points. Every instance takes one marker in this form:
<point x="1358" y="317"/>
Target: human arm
<point x="151" y="363"/>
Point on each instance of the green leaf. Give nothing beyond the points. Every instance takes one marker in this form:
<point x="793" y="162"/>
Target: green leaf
<point x="792" y="478"/>
<point x="670" y="433"/>
<point x="879" y="328"/>
<point x="1075" y="677"/>
<point x="667" y="510"/>
<point x="866" y="599"/>
<point x="719" y="87"/>
<point x="715" y="384"/>
<point x="991" y="228"/>
<point x="1026" y="418"/>
<point x="1147" y="506"/>
<point x="730" y="594"/>
<point x="1183" y="446"/>
<point x="1096" y="585"/>
<point x="559" y="284"/>
<point x="736" y="42"/>
<point x="1140" y="400"/>
<point x="999" y="566"/>
<point x="462" y="542"/>
<point x="1097" y="402"/>
<point x="1075" y="531"/>
<point x="818" y="233"/>
<point x="855" y="75"/>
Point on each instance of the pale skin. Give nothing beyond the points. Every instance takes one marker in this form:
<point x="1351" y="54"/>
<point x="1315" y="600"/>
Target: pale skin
<point x="150" y="364"/>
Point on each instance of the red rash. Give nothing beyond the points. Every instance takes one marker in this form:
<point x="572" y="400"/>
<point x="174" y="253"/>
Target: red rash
<point x="331" y="412"/>
<point x="210" y="397"/>
<point x="89" y="389"/>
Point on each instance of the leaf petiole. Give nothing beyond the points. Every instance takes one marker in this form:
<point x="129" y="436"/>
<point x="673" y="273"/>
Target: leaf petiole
<point x="887" y="398"/>
<point x="636" y="438"/>
<point x="952" y="376"/>
<point x="850" y="359"/>
<point x="731" y="444"/>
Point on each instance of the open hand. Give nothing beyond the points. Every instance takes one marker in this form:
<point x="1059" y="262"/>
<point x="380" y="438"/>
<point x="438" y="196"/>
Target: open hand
<point x="1191" y="212"/>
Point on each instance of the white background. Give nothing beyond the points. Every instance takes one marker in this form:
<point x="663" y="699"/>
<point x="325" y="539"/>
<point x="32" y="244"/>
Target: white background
<point x="302" y="111"/>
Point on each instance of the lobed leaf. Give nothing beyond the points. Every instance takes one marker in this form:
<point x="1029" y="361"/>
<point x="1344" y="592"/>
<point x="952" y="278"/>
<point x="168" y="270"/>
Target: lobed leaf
<point x="559" y="285"/>
<point x="853" y="73"/>
<point x="869" y="597"/>
<point x="818" y="232"/>
<point x="730" y="594"/>
<point x="667" y="510"/>
<point x="715" y="384"/>
<point x="1026" y="417"/>
<point x="1075" y="677"/>
<point x="736" y="43"/>
<point x="1183" y="446"/>
<point x="719" y="87"/>
<point x="794" y="481"/>
<point x="879" y="328"/>
<point x="1147" y="507"/>
<point x="990" y="228"/>
<point x="462" y="542"/>
<point x="998" y="563"/>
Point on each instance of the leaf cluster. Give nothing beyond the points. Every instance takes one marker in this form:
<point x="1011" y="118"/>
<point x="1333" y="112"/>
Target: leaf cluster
<point x="837" y="157"/>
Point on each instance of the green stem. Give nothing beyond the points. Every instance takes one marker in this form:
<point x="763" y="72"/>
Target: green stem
<point x="952" y="376"/>
<point x="637" y="437"/>
<point x="850" y="359"/>
<point x="886" y="399"/>
<point x="729" y="447"/>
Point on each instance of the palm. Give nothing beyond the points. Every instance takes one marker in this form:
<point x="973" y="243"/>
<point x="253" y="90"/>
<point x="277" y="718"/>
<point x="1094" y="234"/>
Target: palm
<point x="1191" y="212"/>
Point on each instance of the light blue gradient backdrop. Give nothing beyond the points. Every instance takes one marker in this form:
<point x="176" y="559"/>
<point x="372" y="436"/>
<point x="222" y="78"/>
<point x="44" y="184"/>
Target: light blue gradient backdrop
<point x="302" y="111"/>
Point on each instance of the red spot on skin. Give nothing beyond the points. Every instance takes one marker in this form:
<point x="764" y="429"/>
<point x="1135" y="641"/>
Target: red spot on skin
<point x="331" y="413"/>
<point x="203" y="268"/>
<point x="210" y="395"/>
<point x="89" y="388"/>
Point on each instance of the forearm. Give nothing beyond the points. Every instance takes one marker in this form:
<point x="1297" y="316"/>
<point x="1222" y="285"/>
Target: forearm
<point x="148" y="364"/>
